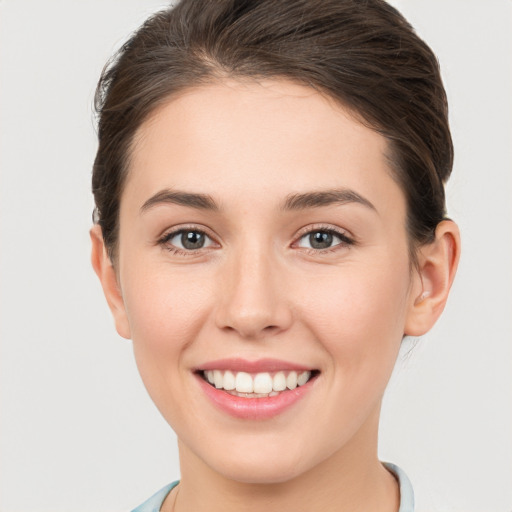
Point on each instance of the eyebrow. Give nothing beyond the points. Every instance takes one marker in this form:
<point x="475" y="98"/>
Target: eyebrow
<point x="325" y="198"/>
<point x="192" y="200"/>
<point x="292" y="202"/>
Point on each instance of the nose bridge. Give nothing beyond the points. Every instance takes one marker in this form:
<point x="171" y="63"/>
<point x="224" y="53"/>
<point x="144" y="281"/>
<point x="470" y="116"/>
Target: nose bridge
<point x="253" y="302"/>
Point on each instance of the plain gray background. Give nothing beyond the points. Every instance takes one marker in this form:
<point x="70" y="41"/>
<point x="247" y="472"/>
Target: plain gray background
<point x="78" y="432"/>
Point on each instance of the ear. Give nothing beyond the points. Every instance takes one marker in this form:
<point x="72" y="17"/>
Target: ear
<point x="107" y="275"/>
<point x="437" y="264"/>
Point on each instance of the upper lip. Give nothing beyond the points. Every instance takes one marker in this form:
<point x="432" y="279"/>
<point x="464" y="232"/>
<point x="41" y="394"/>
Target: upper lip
<point x="257" y="366"/>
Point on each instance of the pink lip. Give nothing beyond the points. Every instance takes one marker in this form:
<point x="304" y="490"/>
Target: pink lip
<point x="253" y="408"/>
<point x="260" y="365"/>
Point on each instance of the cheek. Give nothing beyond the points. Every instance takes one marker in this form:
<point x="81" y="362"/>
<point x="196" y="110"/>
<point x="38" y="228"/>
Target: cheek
<point x="358" y="312"/>
<point x="166" y="310"/>
<point x="359" y="323"/>
<point x="163" y="307"/>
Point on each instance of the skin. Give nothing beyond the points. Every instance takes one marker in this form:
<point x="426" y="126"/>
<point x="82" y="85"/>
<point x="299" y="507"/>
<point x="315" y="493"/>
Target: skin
<point x="259" y="289"/>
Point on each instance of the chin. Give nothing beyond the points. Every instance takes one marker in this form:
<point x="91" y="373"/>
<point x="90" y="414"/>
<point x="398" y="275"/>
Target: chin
<point x="249" y="472"/>
<point x="272" y="465"/>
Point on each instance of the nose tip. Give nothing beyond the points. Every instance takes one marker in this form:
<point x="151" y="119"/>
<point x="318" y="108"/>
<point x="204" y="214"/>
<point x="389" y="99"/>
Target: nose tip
<point x="253" y="302"/>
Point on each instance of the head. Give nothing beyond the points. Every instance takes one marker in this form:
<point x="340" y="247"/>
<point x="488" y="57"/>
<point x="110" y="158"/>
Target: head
<point x="246" y="126"/>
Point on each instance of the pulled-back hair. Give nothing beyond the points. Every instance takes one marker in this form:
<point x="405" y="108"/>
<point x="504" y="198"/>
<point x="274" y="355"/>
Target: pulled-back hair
<point x="362" y="53"/>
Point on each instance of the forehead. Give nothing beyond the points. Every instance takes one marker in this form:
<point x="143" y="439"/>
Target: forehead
<point x="246" y="140"/>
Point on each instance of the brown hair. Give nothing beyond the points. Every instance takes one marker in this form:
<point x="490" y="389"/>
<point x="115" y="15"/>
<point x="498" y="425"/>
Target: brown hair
<point x="362" y="53"/>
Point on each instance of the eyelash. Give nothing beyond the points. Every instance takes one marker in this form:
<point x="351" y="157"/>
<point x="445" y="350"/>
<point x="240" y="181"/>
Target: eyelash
<point x="164" y="241"/>
<point x="345" y="241"/>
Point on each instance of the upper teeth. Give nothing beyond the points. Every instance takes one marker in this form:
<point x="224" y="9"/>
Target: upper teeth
<point x="258" y="383"/>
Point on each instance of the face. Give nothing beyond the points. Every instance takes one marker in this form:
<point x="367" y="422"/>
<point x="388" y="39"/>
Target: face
<point x="262" y="240"/>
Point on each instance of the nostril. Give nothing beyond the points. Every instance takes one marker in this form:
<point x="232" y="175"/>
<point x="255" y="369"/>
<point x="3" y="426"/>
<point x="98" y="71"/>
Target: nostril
<point x="252" y="328"/>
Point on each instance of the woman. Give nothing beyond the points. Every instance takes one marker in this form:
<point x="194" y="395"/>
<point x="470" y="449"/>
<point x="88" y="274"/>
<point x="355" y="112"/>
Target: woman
<point x="270" y="224"/>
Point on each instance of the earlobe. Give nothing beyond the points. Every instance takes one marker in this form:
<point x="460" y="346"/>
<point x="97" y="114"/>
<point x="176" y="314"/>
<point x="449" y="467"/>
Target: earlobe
<point x="437" y="265"/>
<point x="107" y="275"/>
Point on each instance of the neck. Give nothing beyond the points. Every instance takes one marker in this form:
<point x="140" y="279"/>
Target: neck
<point x="351" y="479"/>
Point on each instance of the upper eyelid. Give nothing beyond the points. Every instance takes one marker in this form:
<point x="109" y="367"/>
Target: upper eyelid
<point x="324" y="227"/>
<point x="172" y="232"/>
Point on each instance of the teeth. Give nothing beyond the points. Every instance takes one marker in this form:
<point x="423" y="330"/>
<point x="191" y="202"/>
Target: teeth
<point x="244" y="383"/>
<point x="279" y="382"/>
<point x="218" y="379"/>
<point x="291" y="380"/>
<point x="303" y="378"/>
<point x="229" y="381"/>
<point x="260" y="384"/>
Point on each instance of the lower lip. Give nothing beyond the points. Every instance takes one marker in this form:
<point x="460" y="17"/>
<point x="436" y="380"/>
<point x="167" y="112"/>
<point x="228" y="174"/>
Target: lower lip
<point x="254" y="408"/>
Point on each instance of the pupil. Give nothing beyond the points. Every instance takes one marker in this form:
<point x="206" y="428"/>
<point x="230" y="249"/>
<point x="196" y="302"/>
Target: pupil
<point x="320" y="240"/>
<point x="192" y="240"/>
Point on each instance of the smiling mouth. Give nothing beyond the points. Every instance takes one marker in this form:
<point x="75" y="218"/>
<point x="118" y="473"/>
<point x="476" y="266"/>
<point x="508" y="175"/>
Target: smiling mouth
<point x="257" y="385"/>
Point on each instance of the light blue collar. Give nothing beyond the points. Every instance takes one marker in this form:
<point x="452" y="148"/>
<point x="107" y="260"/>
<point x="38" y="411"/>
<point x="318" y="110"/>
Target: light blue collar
<point x="406" y="492"/>
<point x="156" y="501"/>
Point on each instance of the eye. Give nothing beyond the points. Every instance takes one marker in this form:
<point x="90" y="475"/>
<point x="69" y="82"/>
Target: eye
<point x="321" y="239"/>
<point x="187" y="240"/>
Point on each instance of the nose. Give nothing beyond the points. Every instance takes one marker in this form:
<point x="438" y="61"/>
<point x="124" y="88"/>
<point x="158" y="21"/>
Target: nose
<point x="253" y="299"/>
